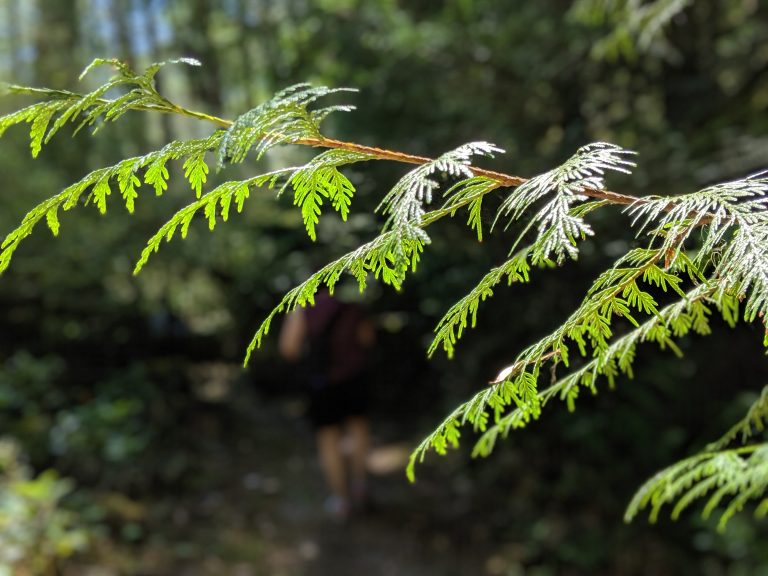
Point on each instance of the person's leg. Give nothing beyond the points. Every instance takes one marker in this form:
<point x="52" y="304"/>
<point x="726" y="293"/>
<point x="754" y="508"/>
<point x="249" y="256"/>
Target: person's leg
<point x="332" y="463"/>
<point x="359" y="434"/>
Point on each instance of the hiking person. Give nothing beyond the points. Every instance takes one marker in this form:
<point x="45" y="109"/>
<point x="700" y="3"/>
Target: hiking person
<point x="332" y="339"/>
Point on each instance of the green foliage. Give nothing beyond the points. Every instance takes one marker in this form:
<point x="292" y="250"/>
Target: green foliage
<point x="285" y="119"/>
<point x="635" y="25"/>
<point x="404" y="204"/>
<point x="735" y="208"/>
<point x="99" y="182"/>
<point x="218" y="200"/>
<point x="471" y="192"/>
<point x="559" y="226"/>
<point x="112" y="430"/>
<point x="397" y="250"/>
<point x="35" y="530"/>
<point x="389" y="257"/>
<point x="657" y="293"/>
<point x="62" y="107"/>
<point x="751" y="425"/>
<point x="196" y="171"/>
<point x="725" y="269"/>
<point x="728" y="478"/>
<point x="464" y="312"/>
<point x="320" y="178"/>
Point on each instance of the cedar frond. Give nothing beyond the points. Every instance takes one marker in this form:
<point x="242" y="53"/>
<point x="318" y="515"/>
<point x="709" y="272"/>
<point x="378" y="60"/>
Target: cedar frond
<point x="60" y="107"/>
<point x="284" y="119"/>
<point x="217" y="201"/>
<point x="728" y="479"/>
<point x="124" y="176"/>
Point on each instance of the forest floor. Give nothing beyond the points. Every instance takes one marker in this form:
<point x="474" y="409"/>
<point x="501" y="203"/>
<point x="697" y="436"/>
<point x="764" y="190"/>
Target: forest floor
<point x="259" y="512"/>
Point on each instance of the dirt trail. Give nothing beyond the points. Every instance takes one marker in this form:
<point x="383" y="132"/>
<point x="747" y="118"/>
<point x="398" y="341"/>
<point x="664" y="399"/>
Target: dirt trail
<point x="259" y="512"/>
<point x="402" y="535"/>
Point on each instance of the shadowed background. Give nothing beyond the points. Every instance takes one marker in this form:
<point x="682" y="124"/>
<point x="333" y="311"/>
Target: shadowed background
<point x="178" y="462"/>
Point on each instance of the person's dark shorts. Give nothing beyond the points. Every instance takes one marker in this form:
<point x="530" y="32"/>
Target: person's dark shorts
<point x="332" y="404"/>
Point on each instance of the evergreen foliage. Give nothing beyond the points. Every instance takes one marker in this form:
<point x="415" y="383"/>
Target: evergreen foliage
<point x="634" y="24"/>
<point x="320" y="178"/>
<point x="702" y="252"/>
<point x="285" y="119"/>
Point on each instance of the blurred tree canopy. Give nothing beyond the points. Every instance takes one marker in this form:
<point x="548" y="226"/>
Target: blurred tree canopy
<point x="96" y="378"/>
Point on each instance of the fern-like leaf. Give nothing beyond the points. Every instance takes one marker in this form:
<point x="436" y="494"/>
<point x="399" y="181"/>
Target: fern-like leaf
<point x="463" y="314"/>
<point x="729" y="478"/>
<point x="196" y="171"/>
<point x="471" y="191"/>
<point x="123" y="173"/>
<point x="589" y="326"/>
<point x="218" y="199"/>
<point x="61" y="107"/>
<point x="405" y="203"/>
<point x="388" y="257"/>
<point x="559" y="227"/>
<point x="753" y="423"/>
<point x="320" y="179"/>
<point x="284" y="119"/>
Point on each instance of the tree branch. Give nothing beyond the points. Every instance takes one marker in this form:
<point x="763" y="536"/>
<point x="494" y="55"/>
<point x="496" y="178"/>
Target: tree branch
<point x="506" y="180"/>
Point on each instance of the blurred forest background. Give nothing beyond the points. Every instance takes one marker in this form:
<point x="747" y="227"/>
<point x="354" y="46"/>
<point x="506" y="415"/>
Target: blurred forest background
<point x="131" y="442"/>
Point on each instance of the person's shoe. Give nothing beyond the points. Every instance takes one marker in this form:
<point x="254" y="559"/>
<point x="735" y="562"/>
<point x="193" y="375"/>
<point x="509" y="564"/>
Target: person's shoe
<point x="337" y="508"/>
